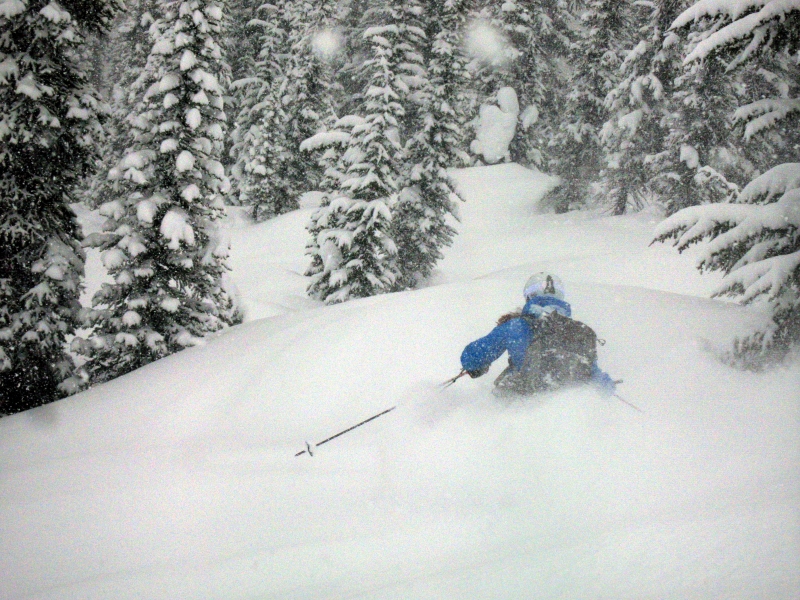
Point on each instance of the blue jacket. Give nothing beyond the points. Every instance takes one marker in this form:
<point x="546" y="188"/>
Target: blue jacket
<point x="514" y="336"/>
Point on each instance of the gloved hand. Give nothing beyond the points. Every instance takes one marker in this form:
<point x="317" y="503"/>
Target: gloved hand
<point x="605" y="384"/>
<point x="479" y="372"/>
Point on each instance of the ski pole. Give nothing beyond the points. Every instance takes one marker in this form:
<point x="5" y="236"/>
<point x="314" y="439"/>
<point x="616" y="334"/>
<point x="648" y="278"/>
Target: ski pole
<point x="628" y="403"/>
<point x="333" y="437"/>
<point x="450" y="382"/>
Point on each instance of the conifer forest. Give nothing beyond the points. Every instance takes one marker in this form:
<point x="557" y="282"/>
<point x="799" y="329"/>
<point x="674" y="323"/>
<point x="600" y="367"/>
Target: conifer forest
<point x="159" y="115"/>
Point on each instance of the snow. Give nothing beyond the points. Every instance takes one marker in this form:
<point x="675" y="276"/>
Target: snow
<point x="175" y="228"/>
<point x="529" y="117"/>
<point x="170" y="304"/>
<point x="214" y="12"/>
<point x="131" y="318"/>
<point x="9" y="69"/>
<point x="777" y="180"/>
<point x="184" y="162"/>
<point x="170" y="100"/>
<point x="191" y="192"/>
<point x="188" y="60"/>
<point x="496" y="126"/>
<point x="200" y="98"/>
<point x="327" y="44"/>
<point x="193" y="118"/>
<point x="169" y="145"/>
<point x="55" y="14"/>
<point x="29" y="87"/>
<point x="114" y="210"/>
<point x="162" y="46"/>
<point x="135" y="160"/>
<point x="180" y="479"/>
<point x="324" y="139"/>
<point x="11" y="8"/>
<point x="113" y="258"/>
<point x="732" y="9"/>
<point x="487" y="44"/>
<point x="631" y="121"/>
<point x="689" y="156"/>
<point x="77" y="112"/>
<point x="765" y="113"/>
<point x="742" y="27"/>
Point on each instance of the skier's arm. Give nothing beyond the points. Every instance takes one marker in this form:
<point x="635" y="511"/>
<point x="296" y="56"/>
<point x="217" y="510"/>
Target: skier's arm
<point x="478" y="356"/>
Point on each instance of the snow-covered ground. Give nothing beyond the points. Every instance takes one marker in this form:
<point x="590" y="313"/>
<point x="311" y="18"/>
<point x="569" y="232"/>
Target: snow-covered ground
<point x="180" y="480"/>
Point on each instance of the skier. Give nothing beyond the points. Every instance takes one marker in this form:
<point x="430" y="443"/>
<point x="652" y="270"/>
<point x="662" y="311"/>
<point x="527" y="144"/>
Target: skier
<point x="546" y="348"/>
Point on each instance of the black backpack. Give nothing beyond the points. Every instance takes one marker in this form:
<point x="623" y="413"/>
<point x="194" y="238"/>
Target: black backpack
<point x="561" y="353"/>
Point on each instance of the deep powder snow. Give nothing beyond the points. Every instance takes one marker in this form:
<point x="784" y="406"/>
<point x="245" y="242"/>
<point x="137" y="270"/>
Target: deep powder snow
<point x="180" y="480"/>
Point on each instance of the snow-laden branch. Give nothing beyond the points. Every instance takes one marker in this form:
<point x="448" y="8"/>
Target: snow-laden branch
<point x="756" y="245"/>
<point x="782" y="179"/>
<point x="765" y="277"/>
<point x="766" y="11"/>
<point x="763" y="114"/>
<point x="732" y="9"/>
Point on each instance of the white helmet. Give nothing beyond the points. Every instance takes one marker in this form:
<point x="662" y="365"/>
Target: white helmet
<point x="544" y="284"/>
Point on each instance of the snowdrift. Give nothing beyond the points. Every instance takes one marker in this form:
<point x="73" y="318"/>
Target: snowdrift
<point x="180" y="480"/>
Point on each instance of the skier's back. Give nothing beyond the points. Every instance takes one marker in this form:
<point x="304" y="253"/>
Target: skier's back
<point x="546" y="348"/>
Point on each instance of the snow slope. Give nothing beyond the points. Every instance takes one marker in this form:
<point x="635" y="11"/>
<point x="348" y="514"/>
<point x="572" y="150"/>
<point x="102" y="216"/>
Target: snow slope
<point x="180" y="480"/>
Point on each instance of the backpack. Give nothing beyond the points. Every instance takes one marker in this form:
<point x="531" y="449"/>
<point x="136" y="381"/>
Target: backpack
<point x="562" y="352"/>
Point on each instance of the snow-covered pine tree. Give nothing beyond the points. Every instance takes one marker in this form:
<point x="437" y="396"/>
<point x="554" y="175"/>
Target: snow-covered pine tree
<point x="700" y="132"/>
<point x="419" y="218"/>
<point x="306" y="96"/>
<point x="756" y="240"/>
<point x="434" y="143"/>
<point x="48" y="129"/>
<point x="603" y="29"/>
<point x="160" y="243"/>
<point x="636" y="130"/>
<point x="257" y="128"/>
<point x="321" y="248"/>
<point x="766" y="122"/>
<point x="451" y="96"/>
<point x="242" y="44"/>
<point x="123" y="59"/>
<point x="286" y="102"/>
<point x="241" y="48"/>
<point x="357" y="252"/>
<point x="537" y="31"/>
<point x="419" y="228"/>
<point x="756" y="243"/>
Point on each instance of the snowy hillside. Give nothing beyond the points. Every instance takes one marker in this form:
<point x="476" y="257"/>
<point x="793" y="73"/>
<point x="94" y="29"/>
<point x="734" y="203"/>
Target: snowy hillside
<point x="180" y="480"/>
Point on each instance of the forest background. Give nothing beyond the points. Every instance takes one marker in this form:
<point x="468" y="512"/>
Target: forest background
<point x="159" y="113"/>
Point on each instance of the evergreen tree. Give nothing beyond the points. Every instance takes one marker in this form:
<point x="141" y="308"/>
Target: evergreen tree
<point x="356" y="252"/>
<point x="450" y="80"/>
<point x="700" y="128"/>
<point x="257" y="129"/>
<point x="537" y="31"/>
<point x="637" y="128"/>
<point x="321" y="247"/>
<point x="306" y="96"/>
<point x="597" y="52"/>
<point x="285" y="103"/>
<point x="123" y="60"/>
<point x="241" y="48"/>
<point x="419" y="225"/>
<point x="160" y="242"/>
<point x="48" y="128"/>
<point x="755" y="241"/>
